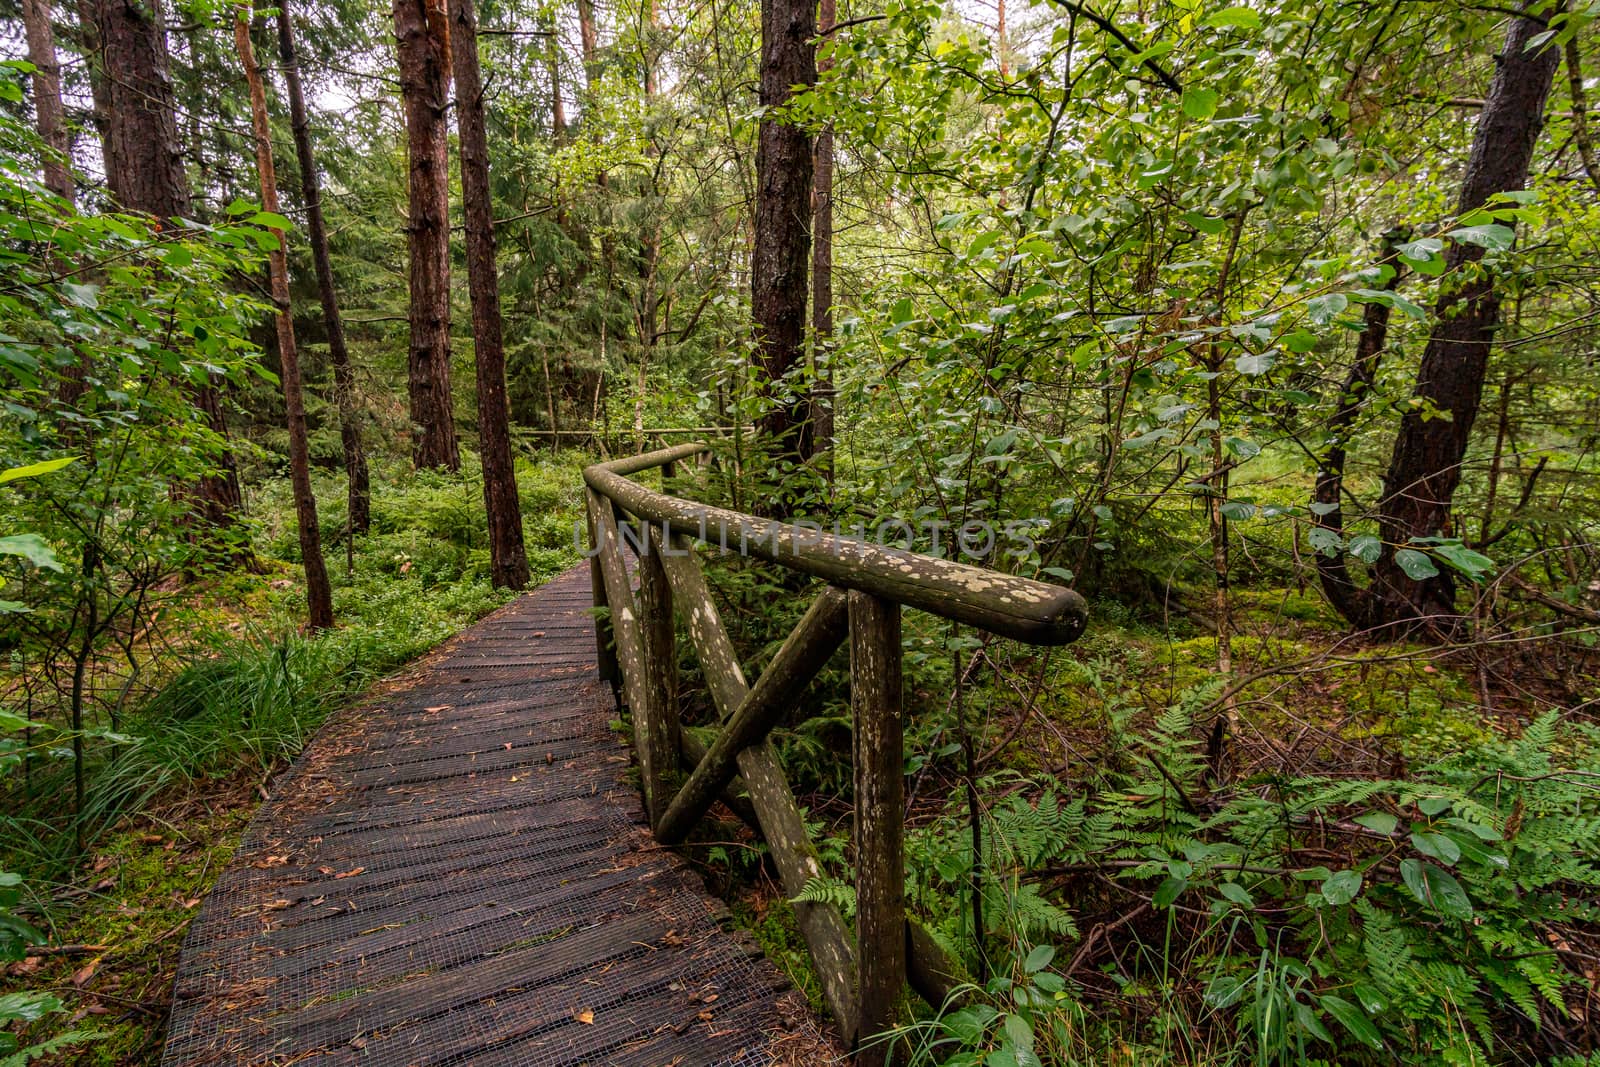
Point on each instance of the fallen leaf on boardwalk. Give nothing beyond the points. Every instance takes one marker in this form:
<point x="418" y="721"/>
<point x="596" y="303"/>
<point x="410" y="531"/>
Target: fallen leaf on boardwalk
<point x="276" y="905"/>
<point x="538" y="633"/>
<point x="351" y="873"/>
<point x="439" y="708"/>
<point x="86" y="972"/>
<point x="514" y="778"/>
<point x="704" y="1016"/>
<point x="586" y="1017"/>
<point x="271" y="861"/>
<point x="508" y="746"/>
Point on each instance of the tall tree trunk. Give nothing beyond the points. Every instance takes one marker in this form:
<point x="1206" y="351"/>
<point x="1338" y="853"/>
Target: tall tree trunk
<point x="783" y="211"/>
<point x="558" y="106"/>
<point x="47" y="98"/>
<point x="319" y="596"/>
<point x="138" y="123"/>
<point x="821" y="405"/>
<point x="422" y="31"/>
<point x="1425" y="467"/>
<point x="344" y="383"/>
<point x="1333" y="570"/>
<point x="508" y="559"/>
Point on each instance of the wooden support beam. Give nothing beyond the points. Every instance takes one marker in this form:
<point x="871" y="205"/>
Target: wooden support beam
<point x="624" y="614"/>
<point x="604" y="641"/>
<point x="779" y="815"/>
<point x="657" y="736"/>
<point x="875" y="700"/>
<point x="774" y="695"/>
<point x="930" y="971"/>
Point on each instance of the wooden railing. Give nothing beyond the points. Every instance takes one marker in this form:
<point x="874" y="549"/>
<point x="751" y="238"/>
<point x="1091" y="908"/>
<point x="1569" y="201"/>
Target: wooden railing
<point x="862" y="976"/>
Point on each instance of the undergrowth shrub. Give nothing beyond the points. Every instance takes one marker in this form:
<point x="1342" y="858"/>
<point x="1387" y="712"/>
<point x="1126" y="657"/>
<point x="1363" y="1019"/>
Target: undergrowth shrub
<point x="1446" y="917"/>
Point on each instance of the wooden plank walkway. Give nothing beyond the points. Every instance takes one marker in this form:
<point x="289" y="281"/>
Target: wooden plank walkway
<point x="456" y="872"/>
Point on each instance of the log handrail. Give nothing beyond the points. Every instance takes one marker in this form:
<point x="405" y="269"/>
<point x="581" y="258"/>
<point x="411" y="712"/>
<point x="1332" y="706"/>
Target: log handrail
<point x="1031" y="611"/>
<point x="862" y="975"/>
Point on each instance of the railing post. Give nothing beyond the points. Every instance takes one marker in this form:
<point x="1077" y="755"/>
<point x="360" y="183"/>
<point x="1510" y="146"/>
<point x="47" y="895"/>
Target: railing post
<point x="875" y="701"/>
<point x="605" y="651"/>
<point x="658" y="743"/>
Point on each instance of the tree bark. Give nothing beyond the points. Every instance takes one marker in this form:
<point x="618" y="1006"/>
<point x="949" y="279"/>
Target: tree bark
<point x="137" y="116"/>
<point x="422" y="32"/>
<point x="344" y="385"/>
<point x="783" y="210"/>
<point x="47" y="98"/>
<point x="144" y="158"/>
<point x="1347" y="598"/>
<point x="508" y="559"/>
<point x="319" y="595"/>
<point x="821" y="404"/>
<point x="1425" y="466"/>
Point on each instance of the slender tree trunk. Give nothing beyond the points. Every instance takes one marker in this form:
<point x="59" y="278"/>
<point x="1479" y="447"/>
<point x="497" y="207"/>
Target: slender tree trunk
<point x="1425" y="467"/>
<point x="821" y="413"/>
<point x="558" y="106"/>
<point x="783" y="211"/>
<point x="1580" y="113"/>
<point x="144" y="166"/>
<point x="422" y="31"/>
<point x="319" y="595"/>
<point x="1002" y="47"/>
<point x="344" y="384"/>
<point x="47" y="98"/>
<point x="1333" y="570"/>
<point x="57" y="168"/>
<point x="508" y="559"/>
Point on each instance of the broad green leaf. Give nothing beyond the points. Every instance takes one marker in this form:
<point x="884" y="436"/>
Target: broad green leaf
<point x="1039" y="958"/>
<point x="1436" y="846"/>
<point x="1436" y="888"/>
<point x="1353" y="1019"/>
<point x="1379" y="822"/>
<point x="1416" y="565"/>
<point x="1367" y="549"/>
<point x="1237" y="893"/>
<point x="33" y="470"/>
<point x="31" y="548"/>
<point x="1255" y="364"/>
<point x="1200" y="103"/>
<point x="1325" y="308"/>
<point x="1241" y="18"/>
<point x="1341" y="887"/>
<point x="1489" y="235"/>
<point x="1168" y="891"/>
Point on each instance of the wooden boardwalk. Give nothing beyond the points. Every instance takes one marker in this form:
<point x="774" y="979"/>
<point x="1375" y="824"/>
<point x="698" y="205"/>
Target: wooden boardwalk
<point x="456" y="872"/>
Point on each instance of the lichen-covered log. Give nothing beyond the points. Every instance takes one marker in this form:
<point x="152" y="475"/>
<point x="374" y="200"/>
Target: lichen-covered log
<point x="658" y="735"/>
<point x="1021" y="608"/>
<point x="624" y="615"/>
<point x="774" y="695"/>
<point x="780" y="820"/>
<point x="875" y="701"/>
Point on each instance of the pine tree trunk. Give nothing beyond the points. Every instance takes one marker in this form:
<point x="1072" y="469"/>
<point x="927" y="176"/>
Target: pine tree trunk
<point x="47" y="97"/>
<point x="1425" y="467"/>
<point x="422" y="31"/>
<point x="137" y="116"/>
<point x="344" y="384"/>
<point x="508" y="559"/>
<point x="821" y="405"/>
<point x="783" y="212"/>
<point x="319" y="595"/>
